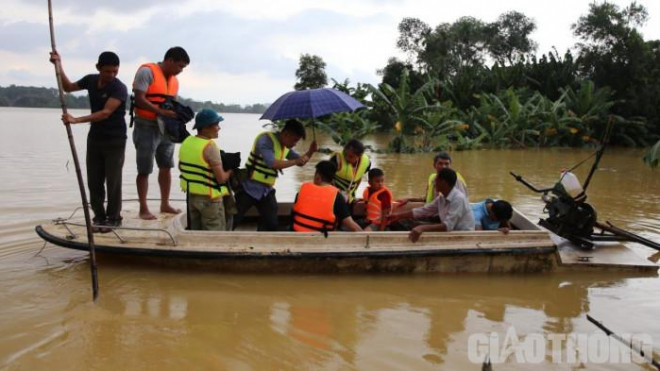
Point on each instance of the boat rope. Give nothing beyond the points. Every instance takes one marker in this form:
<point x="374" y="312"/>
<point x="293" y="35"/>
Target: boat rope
<point x="582" y="162"/>
<point x="66" y="223"/>
<point x="605" y="140"/>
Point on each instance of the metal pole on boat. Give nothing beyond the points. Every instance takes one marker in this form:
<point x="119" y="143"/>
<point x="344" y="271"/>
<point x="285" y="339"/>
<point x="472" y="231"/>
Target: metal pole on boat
<point x="83" y="194"/>
<point x="609" y="227"/>
<point x="638" y="349"/>
<point x="599" y="153"/>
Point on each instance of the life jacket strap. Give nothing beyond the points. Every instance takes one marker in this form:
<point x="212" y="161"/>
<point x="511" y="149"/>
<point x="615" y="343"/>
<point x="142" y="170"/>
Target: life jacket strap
<point x="341" y="182"/>
<point x="326" y="224"/>
<point x="206" y="173"/>
<point x="158" y="95"/>
<point x="256" y="163"/>
<point x="266" y="171"/>
<point x="211" y="181"/>
<point x="200" y="182"/>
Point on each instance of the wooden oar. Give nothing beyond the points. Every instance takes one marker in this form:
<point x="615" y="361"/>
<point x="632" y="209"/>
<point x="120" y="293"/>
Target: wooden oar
<point x="81" y="185"/>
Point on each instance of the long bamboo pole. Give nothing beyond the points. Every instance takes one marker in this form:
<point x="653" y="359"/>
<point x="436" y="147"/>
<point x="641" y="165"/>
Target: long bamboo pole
<point x="74" y="153"/>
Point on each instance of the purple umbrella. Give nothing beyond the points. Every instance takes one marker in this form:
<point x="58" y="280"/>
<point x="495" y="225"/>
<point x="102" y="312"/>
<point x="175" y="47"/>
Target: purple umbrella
<point x="310" y="103"/>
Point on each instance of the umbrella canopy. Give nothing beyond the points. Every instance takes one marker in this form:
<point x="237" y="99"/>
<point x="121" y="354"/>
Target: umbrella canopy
<point x="310" y="103"/>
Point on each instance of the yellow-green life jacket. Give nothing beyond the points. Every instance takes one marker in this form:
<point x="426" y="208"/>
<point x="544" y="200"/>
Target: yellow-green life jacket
<point x="348" y="178"/>
<point x="430" y="186"/>
<point x="197" y="177"/>
<point x="259" y="171"/>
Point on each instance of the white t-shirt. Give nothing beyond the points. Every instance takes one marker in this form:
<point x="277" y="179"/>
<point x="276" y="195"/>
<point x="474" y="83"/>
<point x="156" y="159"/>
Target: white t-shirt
<point x="454" y="211"/>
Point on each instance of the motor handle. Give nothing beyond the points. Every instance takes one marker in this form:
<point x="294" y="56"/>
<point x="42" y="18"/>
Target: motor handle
<point x="609" y="227"/>
<point x="520" y="179"/>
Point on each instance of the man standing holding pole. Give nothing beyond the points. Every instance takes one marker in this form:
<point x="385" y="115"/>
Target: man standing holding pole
<point x="154" y="83"/>
<point x="106" y="140"/>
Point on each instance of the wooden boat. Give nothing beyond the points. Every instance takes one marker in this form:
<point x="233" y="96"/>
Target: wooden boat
<point x="526" y="249"/>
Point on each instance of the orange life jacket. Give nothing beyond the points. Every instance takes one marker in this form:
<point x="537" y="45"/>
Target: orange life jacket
<point x="314" y="208"/>
<point x="373" y="204"/>
<point x="159" y="90"/>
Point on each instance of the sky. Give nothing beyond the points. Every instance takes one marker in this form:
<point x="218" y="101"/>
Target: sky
<point x="247" y="51"/>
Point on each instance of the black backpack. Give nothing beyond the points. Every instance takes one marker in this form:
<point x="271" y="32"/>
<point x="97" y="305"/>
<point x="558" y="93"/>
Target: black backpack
<point x="175" y="128"/>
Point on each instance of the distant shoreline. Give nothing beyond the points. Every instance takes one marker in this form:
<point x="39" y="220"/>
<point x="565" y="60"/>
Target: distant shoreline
<point x="84" y="109"/>
<point x="41" y="97"/>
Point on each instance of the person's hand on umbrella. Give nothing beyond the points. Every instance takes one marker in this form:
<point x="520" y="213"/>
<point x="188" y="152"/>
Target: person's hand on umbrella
<point x="302" y="160"/>
<point x="313" y="147"/>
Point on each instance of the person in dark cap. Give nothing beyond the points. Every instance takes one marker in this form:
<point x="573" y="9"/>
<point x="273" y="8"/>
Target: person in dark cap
<point x="202" y="175"/>
<point x="106" y="140"/>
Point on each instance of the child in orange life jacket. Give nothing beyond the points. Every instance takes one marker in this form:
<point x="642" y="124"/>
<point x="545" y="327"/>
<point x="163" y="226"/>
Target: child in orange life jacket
<point x="378" y="201"/>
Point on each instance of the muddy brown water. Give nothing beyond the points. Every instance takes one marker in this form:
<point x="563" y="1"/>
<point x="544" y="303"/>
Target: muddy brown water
<point x="150" y="317"/>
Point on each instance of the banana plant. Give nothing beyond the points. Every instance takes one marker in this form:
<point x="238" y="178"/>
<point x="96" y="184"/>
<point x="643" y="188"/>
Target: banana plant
<point x="405" y="107"/>
<point x="342" y="127"/>
<point x="440" y="120"/>
<point x="465" y="142"/>
<point x="555" y="122"/>
<point x="490" y="119"/>
<point x="591" y="108"/>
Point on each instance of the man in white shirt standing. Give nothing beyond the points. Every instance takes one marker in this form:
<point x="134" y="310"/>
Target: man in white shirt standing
<point x="451" y="206"/>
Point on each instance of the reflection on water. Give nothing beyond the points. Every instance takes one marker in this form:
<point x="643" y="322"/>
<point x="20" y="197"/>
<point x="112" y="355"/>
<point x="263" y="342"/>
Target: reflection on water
<point x="253" y="321"/>
<point x="156" y="318"/>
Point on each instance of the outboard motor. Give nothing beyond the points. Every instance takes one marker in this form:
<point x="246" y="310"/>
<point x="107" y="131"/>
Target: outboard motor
<point x="569" y="215"/>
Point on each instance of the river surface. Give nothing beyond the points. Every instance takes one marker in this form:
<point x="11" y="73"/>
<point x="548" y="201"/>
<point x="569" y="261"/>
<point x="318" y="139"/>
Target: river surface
<point x="148" y="317"/>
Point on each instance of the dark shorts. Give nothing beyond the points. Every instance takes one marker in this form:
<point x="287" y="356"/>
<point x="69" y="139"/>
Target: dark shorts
<point x="149" y="143"/>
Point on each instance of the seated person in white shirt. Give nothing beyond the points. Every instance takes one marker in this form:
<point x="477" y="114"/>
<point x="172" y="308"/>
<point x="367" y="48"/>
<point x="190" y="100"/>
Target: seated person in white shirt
<point x="451" y="206"/>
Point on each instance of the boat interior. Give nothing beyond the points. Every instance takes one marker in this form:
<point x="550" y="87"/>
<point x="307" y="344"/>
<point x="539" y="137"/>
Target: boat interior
<point x="518" y="221"/>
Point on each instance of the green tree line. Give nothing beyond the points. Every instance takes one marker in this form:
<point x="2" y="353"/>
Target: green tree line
<point x="470" y="83"/>
<point x="30" y="96"/>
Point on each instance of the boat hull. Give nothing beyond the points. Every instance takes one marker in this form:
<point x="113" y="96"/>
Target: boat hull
<point x="445" y="260"/>
<point x="165" y="241"/>
<point x="528" y="249"/>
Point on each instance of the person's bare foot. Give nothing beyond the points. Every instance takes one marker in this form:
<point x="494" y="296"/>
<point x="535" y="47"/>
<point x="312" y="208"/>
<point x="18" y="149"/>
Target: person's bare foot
<point x="169" y="209"/>
<point x="147" y="215"/>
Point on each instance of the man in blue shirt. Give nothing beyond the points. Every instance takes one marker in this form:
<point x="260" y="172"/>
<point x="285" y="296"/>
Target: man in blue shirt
<point x="271" y="152"/>
<point x="492" y="215"/>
